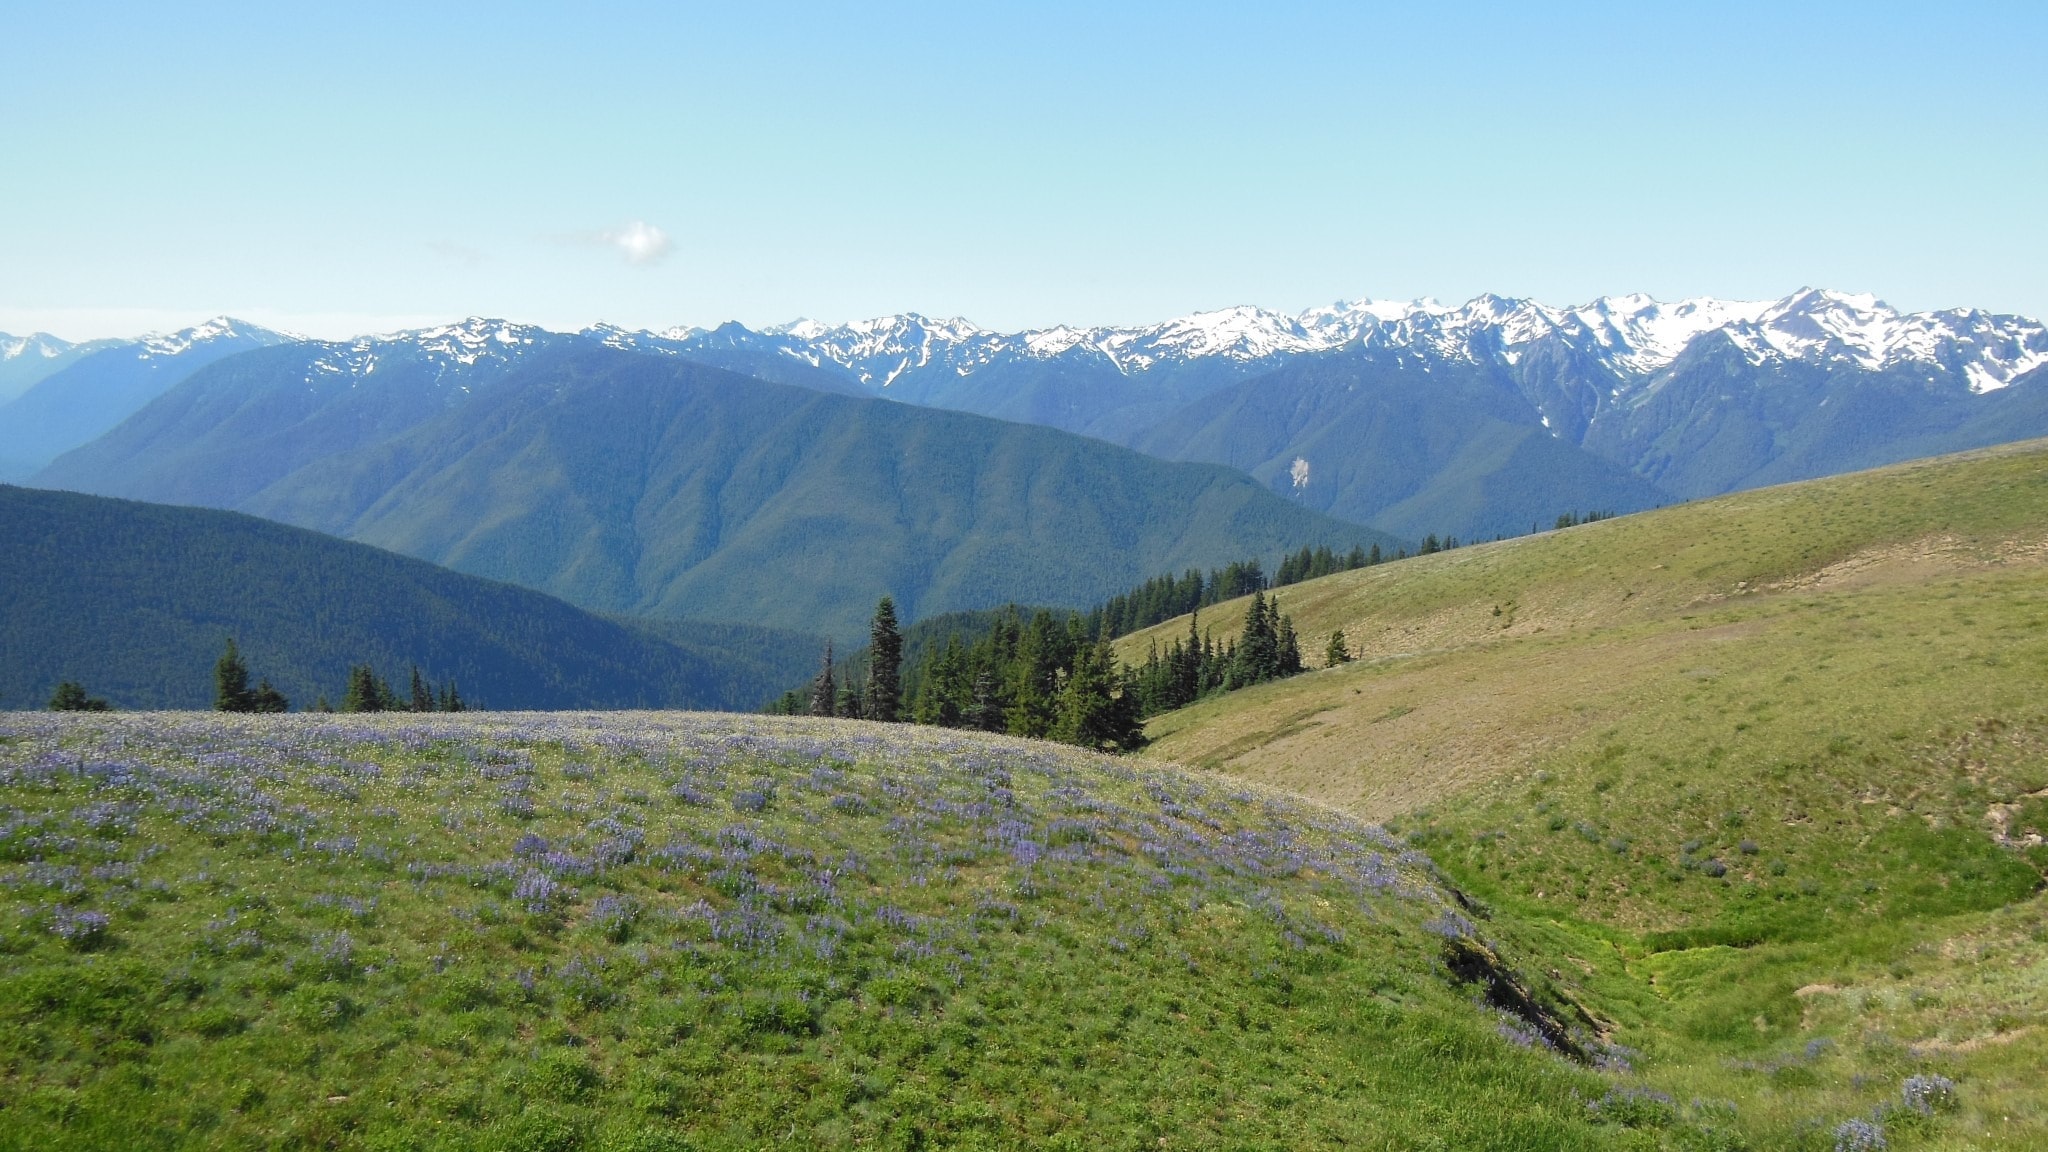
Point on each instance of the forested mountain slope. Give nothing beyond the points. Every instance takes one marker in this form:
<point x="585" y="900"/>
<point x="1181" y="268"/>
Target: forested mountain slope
<point x="137" y="600"/>
<point x="636" y="483"/>
<point x="96" y="390"/>
<point x="1356" y="434"/>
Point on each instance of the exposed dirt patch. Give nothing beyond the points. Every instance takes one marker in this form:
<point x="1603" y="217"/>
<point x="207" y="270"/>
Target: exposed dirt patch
<point x="1925" y="1047"/>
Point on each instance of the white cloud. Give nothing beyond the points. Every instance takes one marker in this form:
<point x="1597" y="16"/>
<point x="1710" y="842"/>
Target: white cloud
<point x="639" y="242"/>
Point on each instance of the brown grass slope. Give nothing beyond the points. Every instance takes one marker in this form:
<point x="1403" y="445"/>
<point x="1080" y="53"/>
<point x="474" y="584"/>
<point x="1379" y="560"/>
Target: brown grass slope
<point x="1476" y="664"/>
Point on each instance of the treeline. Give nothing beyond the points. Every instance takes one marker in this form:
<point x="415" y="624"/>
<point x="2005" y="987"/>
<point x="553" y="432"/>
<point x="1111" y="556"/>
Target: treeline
<point x="1046" y="675"/>
<point x="1165" y="597"/>
<point x="1265" y="649"/>
<point x="1574" y="519"/>
<point x="1042" y="676"/>
<point x="366" y="692"/>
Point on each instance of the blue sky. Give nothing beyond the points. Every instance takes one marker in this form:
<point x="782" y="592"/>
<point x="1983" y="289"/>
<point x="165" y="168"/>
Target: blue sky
<point x="342" y="168"/>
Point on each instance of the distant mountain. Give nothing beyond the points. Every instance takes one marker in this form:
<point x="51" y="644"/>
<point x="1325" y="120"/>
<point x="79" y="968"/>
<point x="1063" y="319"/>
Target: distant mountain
<point x="1693" y="398"/>
<point x="1351" y="433"/>
<point x="225" y="434"/>
<point x="1640" y="402"/>
<point x="1629" y="338"/>
<point x="24" y="360"/>
<point x="652" y="485"/>
<point x="135" y="601"/>
<point x="97" y="389"/>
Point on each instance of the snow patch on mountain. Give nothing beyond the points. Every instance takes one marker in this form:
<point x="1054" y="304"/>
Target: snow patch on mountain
<point x="1634" y="336"/>
<point x="217" y="329"/>
<point x="39" y="345"/>
<point x="464" y="344"/>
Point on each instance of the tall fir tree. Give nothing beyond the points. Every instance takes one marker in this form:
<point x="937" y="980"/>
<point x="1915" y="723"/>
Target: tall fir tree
<point x="824" y="691"/>
<point x="986" y="710"/>
<point x="422" y="699"/>
<point x="1287" y="655"/>
<point x="884" y="700"/>
<point x="366" y="693"/>
<point x="231" y="682"/>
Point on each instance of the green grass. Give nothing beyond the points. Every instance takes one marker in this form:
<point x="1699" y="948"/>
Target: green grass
<point x="1788" y="740"/>
<point x="327" y="933"/>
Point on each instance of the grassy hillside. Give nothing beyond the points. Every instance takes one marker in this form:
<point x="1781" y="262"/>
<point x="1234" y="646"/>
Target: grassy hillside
<point x="1772" y="765"/>
<point x="135" y="600"/>
<point x="658" y="932"/>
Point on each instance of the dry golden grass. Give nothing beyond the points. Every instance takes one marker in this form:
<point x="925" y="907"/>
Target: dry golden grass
<point x="1475" y="664"/>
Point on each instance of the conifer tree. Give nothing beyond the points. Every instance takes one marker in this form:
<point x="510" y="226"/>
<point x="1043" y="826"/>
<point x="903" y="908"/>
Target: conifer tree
<point x="231" y="682"/>
<point x="885" y="665"/>
<point x="422" y="700"/>
<point x="366" y="693"/>
<point x="70" y="697"/>
<point x="1337" y="653"/>
<point x="985" y="707"/>
<point x="1257" y="657"/>
<point x="1035" y="677"/>
<point x="824" y="692"/>
<point x="268" y="699"/>
<point x="1084" y="705"/>
<point x="1287" y="649"/>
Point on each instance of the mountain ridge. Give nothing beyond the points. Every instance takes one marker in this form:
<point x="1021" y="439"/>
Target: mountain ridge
<point x="135" y="600"/>
<point x="626" y="482"/>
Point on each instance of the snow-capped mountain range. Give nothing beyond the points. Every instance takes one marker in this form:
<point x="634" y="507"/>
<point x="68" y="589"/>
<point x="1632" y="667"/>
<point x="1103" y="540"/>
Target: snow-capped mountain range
<point x="1637" y="400"/>
<point x="444" y="347"/>
<point x="1634" y="336"/>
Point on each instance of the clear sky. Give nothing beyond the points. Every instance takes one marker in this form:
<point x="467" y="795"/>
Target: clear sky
<point x="337" y="168"/>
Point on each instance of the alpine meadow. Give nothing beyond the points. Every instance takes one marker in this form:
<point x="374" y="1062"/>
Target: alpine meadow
<point x="1125" y="577"/>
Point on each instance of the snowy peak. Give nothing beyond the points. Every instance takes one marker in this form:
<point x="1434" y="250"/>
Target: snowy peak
<point x="1633" y="336"/>
<point x="470" y="342"/>
<point x="34" y="346"/>
<point x="1989" y="351"/>
<point x="220" y="329"/>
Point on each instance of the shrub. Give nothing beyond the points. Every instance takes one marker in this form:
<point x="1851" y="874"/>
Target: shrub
<point x="81" y="930"/>
<point x="1635" y="1108"/>
<point x="613" y="917"/>
<point x="559" y="1074"/>
<point x="1928" y="1094"/>
<point x="1859" y="1136"/>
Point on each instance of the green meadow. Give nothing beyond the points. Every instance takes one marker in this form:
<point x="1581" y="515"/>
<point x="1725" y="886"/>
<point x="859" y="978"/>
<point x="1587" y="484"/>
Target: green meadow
<point x="1767" y="775"/>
